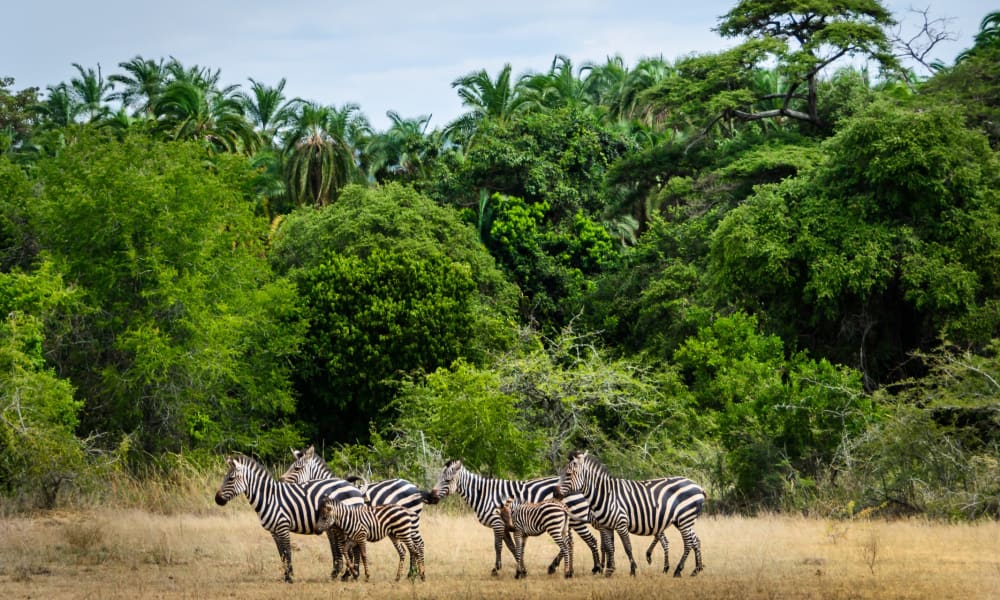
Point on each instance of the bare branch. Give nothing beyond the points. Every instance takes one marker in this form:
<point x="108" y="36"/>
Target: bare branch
<point x="919" y="45"/>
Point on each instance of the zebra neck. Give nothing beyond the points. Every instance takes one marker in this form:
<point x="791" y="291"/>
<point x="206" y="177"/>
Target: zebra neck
<point x="260" y="487"/>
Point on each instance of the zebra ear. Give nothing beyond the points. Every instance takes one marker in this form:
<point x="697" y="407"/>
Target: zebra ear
<point x="310" y="450"/>
<point x="296" y="454"/>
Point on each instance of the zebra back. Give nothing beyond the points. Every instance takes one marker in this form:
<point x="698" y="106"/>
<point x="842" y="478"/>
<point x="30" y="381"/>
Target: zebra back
<point x="535" y="518"/>
<point x="309" y="466"/>
<point x="372" y="523"/>
<point x="485" y="494"/>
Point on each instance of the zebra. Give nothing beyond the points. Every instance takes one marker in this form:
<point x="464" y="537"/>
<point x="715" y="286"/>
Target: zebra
<point x="484" y="494"/>
<point x="285" y="508"/>
<point x="362" y="523"/>
<point x="535" y="518"/>
<point x="309" y="466"/>
<point x="639" y="507"/>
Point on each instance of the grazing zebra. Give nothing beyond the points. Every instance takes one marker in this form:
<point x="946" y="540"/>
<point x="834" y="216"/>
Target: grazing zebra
<point x="639" y="507"/>
<point x="362" y="523"/>
<point x="484" y="494"/>
<point x="285" y="508"/>
<point x="535" y="518"/>
<point x="309" y="466"/>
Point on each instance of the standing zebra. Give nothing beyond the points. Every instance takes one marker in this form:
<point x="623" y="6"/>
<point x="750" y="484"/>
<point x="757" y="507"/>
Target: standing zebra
<point x="485" y="494"/>
<point x="285" y="508"/>
<point x="639" y="507"/>
<point x="535" y="518"/>
<point x="309" y="466"/>
<point x="362" y="523"/>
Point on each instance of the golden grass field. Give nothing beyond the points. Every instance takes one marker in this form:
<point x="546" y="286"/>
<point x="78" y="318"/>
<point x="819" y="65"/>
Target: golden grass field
<point x="224" y="553"/>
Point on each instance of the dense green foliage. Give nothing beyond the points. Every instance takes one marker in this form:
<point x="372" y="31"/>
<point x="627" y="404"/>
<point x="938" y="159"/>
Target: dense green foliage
<point x="762" y="268"/>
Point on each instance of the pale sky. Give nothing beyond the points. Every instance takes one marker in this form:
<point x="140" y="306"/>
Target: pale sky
<point x="381" y="54"/>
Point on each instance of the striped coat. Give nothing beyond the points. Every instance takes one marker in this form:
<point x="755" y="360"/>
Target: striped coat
<point x="362" y="523"/>
<point x="637" y="507"/>
<point x="485" y="494"/>
<point x="285" y="508"/>
<point x="526" y="519"/>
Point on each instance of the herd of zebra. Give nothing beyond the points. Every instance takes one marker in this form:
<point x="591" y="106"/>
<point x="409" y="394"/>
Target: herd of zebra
<point x="309" y="499"/>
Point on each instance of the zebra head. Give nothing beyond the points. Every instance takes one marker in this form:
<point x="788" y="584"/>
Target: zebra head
<point x="306" y="467"/>
<point x="504" y="511"/>
<point x="329" y="514"/>
<point x="235" y="481"/>
<point x="447" y="480"/>
<point x="570" y="477"/>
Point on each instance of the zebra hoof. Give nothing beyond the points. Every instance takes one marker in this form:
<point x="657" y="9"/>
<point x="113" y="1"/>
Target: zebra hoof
<point x="596" y="570"/>
<point x="697" y="570"/>
<point x="495" y="572"/>
<point x="569" y="575"/>
<point x="552" y="569"/>
<point x="649" y="558"/>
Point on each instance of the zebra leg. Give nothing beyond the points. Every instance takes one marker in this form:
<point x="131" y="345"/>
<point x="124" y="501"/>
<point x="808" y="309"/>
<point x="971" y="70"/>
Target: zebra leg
<point x="588" y="538"/>
<point x="284" y="543"/>
<point x="608" y="545"/>
<point x="336" y="550"/>
<point x="401" y="550"/>
<point x="565" y="543"/>
<point x="519" y="541"/>
<point x="691" y="541"/>
<point x="627" y="544"/>
<point x="662" y="538"/>
<point x="500" y="537"/>
<point x="416" y="548"/>
<point x="363" y="548"/>
<point x="350" y="560"/>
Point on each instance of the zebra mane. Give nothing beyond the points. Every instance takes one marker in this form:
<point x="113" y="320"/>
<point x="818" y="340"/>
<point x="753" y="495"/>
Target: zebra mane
<point x="590" y="460"/>
<point x="251" y="462"/>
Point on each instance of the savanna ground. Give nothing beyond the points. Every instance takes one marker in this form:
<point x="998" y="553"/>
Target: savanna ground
<point x="224" y="553"/>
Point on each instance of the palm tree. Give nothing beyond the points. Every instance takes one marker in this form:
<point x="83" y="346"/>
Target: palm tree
<point x="188" y="111"/>
<point x="141" y="84"/>
<point x="486" y="99"/>
<point x="321" y="152"/>
<point x="603" y="83"/>
<point x="59" y="108"/>
<point x="988" y="37"/>
<point x="647" y="74"/>
<point x="91" y="92"/>
<point x="267" y="109"/>
<point x="402" y="151"/>
<point x="559" y="88"/>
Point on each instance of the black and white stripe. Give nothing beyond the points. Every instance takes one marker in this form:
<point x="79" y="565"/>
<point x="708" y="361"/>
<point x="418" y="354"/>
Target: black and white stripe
<point x="638" y="507"/>
<point x="526" y="519"/>
<point x="285" y="508"/>
<point x="309" y="466"/>
<point x="362" y="523"/>
<point x="485" y="494"/>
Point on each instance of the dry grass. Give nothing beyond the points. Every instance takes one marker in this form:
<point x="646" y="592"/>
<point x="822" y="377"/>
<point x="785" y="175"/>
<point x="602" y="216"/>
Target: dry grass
<point x="225" y="553"/>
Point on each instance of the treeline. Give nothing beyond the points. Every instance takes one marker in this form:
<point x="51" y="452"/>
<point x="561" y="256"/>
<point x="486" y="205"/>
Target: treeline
<point x="758" y="268"/>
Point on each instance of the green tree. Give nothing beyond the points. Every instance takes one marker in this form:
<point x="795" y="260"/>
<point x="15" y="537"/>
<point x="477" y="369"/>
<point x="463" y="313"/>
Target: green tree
<point x="186" y="339"/>
<point x="268" y="109"/>
<point x="494" y="99"/>
<point x="320" y="152"/>
<point x="781" y="420"/>
<point x="463" y="411"/>
<point x="187" y="110"/>
<point x="18" y="115"/>
<point x="140" y="85"/>
<point x="91" y="92"/>
<point x="395" y="286"/>
<point x="813" y="35"/>
<point x="403" y="152"/>
<point x="886" y="244"/>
